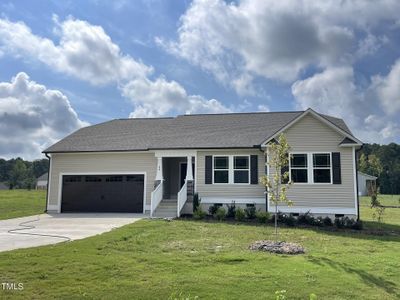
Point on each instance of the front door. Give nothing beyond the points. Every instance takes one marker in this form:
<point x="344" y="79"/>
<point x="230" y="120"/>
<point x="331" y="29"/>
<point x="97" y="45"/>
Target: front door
<point x="182" y="174"/>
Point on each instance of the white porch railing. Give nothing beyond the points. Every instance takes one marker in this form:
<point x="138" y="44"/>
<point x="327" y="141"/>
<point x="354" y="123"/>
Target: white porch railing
<point x="156" y="197"/>
<point x="182" y="197"/>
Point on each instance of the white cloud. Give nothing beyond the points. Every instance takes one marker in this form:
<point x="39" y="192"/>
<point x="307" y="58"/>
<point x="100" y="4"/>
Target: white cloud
<point x="239" y="41"/>
<point x="388" y="89"/>
<point x="334" y="92"/>
<point x="263" y="107"/>
<point x="84" y="51"/>
<point x="161" y="97"/>
<point x="370" y="44"/>
<point x="88" y="53"/>
<point x="32" y="117"/>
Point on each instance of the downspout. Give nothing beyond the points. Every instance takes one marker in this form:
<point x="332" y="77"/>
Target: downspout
<point x="48" y="182"/>
<point x="265" y="172"/>
<point x="358" y="196"/>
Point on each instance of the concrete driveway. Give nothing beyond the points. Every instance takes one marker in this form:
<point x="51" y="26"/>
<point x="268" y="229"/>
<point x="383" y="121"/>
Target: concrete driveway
<point x="56" y="228"/>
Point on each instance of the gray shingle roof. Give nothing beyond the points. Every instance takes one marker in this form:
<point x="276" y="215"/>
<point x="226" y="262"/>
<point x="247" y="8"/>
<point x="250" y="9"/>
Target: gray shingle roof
<point x="43" y="177"/>
<point x="235" y="130"/>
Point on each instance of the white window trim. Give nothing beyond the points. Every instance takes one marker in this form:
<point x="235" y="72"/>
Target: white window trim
<point x="325" y="168"/>
<point x="310" y="168"/>
<point x="298" y="168"/>
<point x="230" y="169"/>
<point x="248" y="169"/>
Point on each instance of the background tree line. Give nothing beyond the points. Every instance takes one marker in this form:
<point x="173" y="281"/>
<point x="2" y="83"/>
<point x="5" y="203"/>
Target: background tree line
<point x="21" y="174"/>
<point x="382" y="161"/>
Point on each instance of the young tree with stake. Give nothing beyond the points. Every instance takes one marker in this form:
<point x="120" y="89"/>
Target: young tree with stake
<point x="277" y="183"/>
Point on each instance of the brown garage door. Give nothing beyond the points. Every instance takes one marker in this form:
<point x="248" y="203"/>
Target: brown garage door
<point x="102" y="193"/>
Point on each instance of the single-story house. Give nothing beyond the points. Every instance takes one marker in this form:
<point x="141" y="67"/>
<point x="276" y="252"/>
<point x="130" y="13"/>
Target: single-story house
<point x="154" y="165"/>
<point x="366" y="184"/>
<point x="41" y="181"/>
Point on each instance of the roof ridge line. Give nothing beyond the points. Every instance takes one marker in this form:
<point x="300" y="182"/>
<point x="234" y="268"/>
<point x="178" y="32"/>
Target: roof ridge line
<point x="242" y="113"/>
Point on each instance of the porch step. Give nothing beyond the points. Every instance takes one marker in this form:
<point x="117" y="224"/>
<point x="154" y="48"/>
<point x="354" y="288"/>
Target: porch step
<point x="166" y="209"/>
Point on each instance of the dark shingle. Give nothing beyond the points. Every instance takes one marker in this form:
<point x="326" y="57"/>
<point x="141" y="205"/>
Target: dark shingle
<point x="236" y="130"/>
<point x="43" y="177"/>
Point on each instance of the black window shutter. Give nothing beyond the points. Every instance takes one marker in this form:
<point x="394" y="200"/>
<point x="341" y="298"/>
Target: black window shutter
<point x="254" y="169"/>
<point x="283" y="170"/>
<point x="336" y="169"/>
<point x="208" y="173"/>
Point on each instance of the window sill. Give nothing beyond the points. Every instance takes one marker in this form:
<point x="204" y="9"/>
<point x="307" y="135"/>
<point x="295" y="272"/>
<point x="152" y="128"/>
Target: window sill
<point x="312" y="183"/>
<point x="231" y="184"/>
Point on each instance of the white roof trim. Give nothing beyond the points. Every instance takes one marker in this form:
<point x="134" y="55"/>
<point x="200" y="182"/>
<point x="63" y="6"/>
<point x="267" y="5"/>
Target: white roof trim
<point x="320" y="118"/>
<point x="367" y="175"/>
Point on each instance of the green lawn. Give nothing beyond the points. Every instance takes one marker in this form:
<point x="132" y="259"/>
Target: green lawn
<point x="154" y="259"/>
<point x="20" y="203"/>
<point x="391" y="216"/>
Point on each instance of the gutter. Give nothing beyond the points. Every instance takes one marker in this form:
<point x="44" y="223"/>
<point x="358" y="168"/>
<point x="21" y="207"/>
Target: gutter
<point x="153" y="149"/>
<point x="48" y="182"/>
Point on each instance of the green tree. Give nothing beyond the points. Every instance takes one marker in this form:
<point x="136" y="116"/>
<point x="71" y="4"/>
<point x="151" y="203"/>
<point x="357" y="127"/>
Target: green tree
<point x="389" y="157"/>
<point x="370" y="164"/>
<point x="277" y="154"/>
<point x="40" y="166"/>
<point x="18" y="174"/>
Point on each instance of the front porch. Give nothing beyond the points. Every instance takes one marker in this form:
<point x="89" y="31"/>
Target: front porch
<point x="173" y="185"/>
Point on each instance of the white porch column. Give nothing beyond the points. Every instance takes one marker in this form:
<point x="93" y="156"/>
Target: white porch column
<point x="159" y="175"/>
<point x="189" y="169"/>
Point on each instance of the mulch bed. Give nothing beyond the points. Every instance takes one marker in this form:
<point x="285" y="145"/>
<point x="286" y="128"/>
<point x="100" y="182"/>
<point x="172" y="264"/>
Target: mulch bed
<point x="277" y="247"/>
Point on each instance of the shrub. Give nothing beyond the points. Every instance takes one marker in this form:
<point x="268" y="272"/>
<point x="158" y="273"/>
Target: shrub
<point x="199" y="214"/>
<point x="289" y="220"/>
<point x="220" y="214"/>
<point x="346" y="222"/>
<point x="303" y="218"/>
<point x="310" y="220"/>
<point x="262" y="216"/>
<point x="319" y="221"/>
<point x="328" y="221"/>
<point x="239" y="214"/>
<point x="250" y="212"/>
<point x="213" y="208"/>
<point x="231" y="210"/>
<point x="196" y="201"/>
<point x="339" y="223"/>
<point x="358" y="225"/>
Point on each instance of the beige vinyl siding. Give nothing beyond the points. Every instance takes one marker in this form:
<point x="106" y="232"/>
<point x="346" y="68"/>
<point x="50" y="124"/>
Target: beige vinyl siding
<point x="101" y="163"/>
<point x="229" y="190"/>
<point x="311" y="135"/>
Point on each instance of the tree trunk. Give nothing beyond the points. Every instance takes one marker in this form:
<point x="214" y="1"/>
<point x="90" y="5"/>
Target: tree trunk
<point x="276" y="221"/>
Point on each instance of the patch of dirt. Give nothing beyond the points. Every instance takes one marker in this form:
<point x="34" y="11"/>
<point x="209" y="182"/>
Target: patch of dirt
<point x="277" y="247"/>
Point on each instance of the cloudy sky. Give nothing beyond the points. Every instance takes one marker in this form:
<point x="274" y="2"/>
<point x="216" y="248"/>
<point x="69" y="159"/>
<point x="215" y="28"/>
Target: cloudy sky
<point x="68" y="64"/>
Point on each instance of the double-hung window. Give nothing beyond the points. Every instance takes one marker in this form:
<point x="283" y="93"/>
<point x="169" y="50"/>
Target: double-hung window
<point x="241" y="169"/>
<point x="299" y="168"/>
<point x="221" y="169"/>
<point x="231" y="169"/>
<point x="310" y="168"/>
<point x="322" y="169"/>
